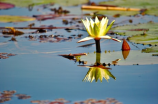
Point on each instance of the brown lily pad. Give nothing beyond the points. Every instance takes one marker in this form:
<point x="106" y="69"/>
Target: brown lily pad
<point x="23" y="96"/>
<point x="4" y="5"/>
<point x="49" y="16"/>
<point x="72" y="56"/>
<point x="78" y="54"/>
<point x="5" y="56"/>
<point x="11" y="30"/>
<point x="6" y="95"/>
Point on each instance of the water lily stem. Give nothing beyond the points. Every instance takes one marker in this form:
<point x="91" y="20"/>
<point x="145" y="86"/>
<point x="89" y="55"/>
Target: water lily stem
<point x="98" y="58"/>
<point x="97" y="43"/>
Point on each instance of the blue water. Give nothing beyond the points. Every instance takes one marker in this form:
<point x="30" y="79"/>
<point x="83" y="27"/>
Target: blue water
<point x="47" y="77"/>
<point x="38" y="70"/>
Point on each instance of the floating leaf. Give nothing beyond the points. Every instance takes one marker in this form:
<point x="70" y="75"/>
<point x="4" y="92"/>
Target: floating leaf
<point x="21" y="3"/>
<point x="113" y="12"/>
<point x="147" y="4"/>
<point x="8" y="18"/>
<point x="11" y="30"/>
<point x="72" y="56"/>
<point x="134" y="57"/>
<point x="23" y="96"/>
<point x="150" y="50"/>
<point x="152" y="11"/>
<point x="6" y="5"/>
<point x="148" y="35"/>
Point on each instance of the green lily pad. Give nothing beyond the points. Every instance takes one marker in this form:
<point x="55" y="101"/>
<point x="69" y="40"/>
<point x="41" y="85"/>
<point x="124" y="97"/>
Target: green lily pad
<point x="134" y="57"/>
<point x="25" y="3"/>
<point x="152" y="11"/>
<point x="142" y="4"/>
<point x="150" y="50"/>
<point x="8" y="18"/>
<point x="143" y="37"/>
<point x="113" y="12"/>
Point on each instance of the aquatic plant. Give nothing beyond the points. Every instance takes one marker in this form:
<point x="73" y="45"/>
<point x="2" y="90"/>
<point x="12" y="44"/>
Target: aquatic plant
<point x="97" y="30"/>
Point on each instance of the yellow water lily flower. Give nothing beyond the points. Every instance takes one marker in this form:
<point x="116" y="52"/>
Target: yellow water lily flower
<point x="97" y="30"/>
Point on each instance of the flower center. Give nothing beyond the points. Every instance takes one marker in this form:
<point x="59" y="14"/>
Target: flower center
<point x="97" y="38"/>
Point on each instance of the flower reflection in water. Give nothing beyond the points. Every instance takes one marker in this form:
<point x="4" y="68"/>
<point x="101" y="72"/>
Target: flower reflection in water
<point x="96" y="71"/>
<point x="99" y="71"/>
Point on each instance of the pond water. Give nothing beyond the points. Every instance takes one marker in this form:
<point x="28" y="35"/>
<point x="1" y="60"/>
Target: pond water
<point x="38" y="71"/>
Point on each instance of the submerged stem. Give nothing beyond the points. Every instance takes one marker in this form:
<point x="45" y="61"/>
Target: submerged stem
<point x="97" y="43"/>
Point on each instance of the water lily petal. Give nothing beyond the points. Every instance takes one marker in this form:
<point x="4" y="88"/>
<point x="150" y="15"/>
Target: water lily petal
<point x="92" y="22"/>
<point x="96" y="30"/>
<point x="103" y="21"/>
<point x="92" y="28"/>
<point x="88" y="22"/>
<point x="97" y="22"/>
<point x="105" y="37"/>
<point x="116" y="40"/>
<point x="84" y="22"/>
<point x="108" y="37"/>
<point x="87" y="26"/>
<point x="92" y="31"/>
<point x="103" y="26"/>
<point x="85" y="39"/>
<point x="108" y="28"/>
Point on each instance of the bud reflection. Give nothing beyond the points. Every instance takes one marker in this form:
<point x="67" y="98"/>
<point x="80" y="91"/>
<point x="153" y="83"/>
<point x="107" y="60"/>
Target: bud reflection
<point x="125" y="54"/>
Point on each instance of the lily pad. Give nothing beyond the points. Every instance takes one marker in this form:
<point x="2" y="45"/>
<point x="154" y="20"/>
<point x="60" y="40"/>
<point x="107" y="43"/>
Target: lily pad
<point x="147" y="4"/>
<point x="113" y="13"/>
<point x="25" y="3"/>
<point x="6" y="5"/>
<point x="134" y="57"/>
<point x="144" y="36"/>
<point x="8" y="18"/>
<point x="11" y="30"/>
<point x="150" y="50"/>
